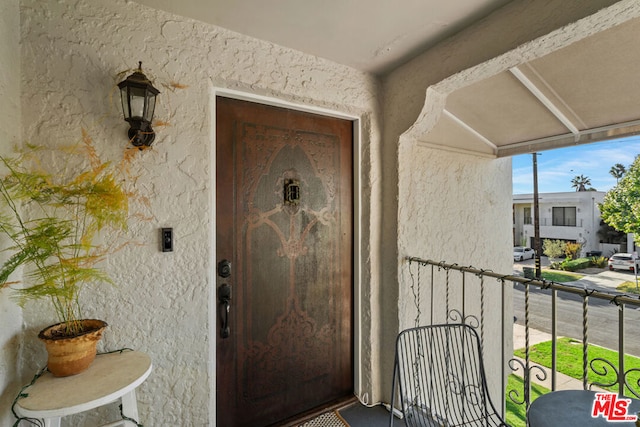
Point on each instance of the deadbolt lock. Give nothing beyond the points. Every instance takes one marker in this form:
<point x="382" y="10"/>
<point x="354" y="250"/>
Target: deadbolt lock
<point x="224" y="268"/>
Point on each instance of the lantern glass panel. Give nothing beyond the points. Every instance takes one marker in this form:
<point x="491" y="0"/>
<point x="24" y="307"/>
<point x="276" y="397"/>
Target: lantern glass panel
<point x="137" y="102"/>
<point x="151" y="105"/>
<point x="124" y="97"/>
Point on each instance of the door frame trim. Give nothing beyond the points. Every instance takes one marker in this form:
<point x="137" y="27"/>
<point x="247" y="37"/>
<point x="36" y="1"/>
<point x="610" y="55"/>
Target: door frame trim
<point x="214" y="92"/>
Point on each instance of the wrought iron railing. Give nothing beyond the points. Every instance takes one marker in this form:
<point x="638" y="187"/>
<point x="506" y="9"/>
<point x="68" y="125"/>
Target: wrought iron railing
<point x="437" y="279"/>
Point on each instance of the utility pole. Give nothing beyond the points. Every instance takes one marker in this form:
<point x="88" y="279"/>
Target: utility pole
<point x="536" y="217"/>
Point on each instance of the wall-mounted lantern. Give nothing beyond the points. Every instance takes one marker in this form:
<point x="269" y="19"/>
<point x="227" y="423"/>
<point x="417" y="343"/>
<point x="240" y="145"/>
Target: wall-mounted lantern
<point x="138" y="103"/>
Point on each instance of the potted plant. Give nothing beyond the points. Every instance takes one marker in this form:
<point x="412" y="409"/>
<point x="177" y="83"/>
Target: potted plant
<point x="52" y="221"/>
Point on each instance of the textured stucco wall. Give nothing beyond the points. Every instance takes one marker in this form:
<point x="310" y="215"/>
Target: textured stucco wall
<point x="457" y="211"/>
<point x="10" y="314"/>
<point x="72" y="52"/>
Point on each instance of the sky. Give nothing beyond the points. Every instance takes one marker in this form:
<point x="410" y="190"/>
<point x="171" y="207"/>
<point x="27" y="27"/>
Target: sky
<point x="556" y="168"/>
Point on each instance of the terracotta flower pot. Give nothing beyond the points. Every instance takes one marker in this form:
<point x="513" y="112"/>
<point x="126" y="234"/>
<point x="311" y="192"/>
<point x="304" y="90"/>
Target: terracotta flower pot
<point x="71" y="355"/>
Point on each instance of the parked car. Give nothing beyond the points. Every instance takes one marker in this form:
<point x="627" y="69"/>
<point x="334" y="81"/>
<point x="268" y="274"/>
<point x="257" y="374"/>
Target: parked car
<point x="520" y="253"/>
<point x="622" y="261"/>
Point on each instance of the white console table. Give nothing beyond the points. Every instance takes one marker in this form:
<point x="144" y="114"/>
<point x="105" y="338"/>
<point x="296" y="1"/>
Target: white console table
<point x="110" y="377"/>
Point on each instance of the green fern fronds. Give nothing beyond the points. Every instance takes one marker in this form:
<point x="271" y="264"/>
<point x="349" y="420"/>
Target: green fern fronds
<point x="50" y="221"/>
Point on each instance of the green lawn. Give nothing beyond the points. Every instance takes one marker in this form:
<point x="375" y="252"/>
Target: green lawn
<point x="560" y="276"/>
<point x="628" y="288"/>
<point x="517" y="414"/>
<point x="569" y="361"/>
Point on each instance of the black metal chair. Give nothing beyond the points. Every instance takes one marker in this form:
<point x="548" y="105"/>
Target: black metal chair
<point x="441" y="378"/>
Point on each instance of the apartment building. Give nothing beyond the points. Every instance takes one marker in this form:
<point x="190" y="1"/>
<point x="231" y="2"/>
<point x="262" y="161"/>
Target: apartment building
<point x="572" y="216"/>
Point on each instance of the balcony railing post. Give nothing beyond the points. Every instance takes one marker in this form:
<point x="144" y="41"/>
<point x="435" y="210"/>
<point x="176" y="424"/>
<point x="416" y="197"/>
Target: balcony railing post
<point x="464" y="299"/>
<point x="432" y="292"/>
<point x="554" y="337"/>
<point x="448" y="289"/>
<point x="585" y="339"/>
<point x="505" y="316"/>
<point x="621" y="371"/>
<point x="527" y="368"/>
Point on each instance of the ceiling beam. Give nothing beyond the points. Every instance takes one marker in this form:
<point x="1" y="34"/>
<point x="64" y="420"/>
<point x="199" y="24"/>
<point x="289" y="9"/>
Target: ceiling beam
<point x="471" y="130"/>
<point x="535" y="91"/>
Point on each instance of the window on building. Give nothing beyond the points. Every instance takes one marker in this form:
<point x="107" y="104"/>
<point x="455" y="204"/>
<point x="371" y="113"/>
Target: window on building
<point x="564" y="216"/>
<point x="527" y="216"/>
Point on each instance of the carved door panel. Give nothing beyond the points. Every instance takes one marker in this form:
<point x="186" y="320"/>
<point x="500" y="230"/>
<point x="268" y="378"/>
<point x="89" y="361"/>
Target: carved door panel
<point x="285" y="222"/>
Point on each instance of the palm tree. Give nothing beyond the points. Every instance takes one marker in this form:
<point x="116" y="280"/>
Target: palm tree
<point x="579" y="182"/>
<point x="617" y="171"/>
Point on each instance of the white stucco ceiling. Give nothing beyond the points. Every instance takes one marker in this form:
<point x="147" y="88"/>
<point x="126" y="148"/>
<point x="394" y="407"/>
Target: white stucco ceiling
<point x="370" y="35"/>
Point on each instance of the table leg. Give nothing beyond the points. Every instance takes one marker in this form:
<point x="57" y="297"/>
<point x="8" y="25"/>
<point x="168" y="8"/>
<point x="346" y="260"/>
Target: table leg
<point x="130" y="405"/>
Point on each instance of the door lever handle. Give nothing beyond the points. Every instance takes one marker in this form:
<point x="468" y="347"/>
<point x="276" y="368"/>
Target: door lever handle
<point x="224" y="300"/>
<point x="224" y="330"/>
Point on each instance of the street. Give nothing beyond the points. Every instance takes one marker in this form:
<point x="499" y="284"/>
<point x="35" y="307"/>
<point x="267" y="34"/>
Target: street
<point x="603" y="316"/>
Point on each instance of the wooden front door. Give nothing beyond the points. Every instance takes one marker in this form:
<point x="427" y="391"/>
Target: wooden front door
<point x="284" y="222"/>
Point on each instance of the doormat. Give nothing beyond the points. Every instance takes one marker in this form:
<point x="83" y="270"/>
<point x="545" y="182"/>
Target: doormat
<point x="328" y="419"/>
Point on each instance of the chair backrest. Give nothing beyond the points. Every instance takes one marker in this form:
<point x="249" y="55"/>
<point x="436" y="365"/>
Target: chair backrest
<point x="441" y="377"/>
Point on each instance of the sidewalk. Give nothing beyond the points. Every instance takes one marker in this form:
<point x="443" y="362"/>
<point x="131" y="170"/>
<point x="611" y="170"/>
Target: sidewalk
<point x="563" y="382"/>
<point x="603" y="279"/>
